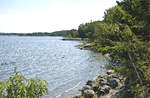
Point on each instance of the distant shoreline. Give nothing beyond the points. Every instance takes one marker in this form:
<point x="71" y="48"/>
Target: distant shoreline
<point x="27" y="34"/>
<point x="62" y="33"/>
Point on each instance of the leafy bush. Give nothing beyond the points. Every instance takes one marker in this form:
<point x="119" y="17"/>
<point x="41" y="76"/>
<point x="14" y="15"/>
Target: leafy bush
<point x="20" y="87"/>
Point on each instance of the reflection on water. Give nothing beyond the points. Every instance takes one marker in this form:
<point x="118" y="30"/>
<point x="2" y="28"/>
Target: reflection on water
<point x="51" y="59"/>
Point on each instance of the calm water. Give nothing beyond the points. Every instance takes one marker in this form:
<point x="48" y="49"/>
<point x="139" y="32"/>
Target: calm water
<point x="51" y="59"/>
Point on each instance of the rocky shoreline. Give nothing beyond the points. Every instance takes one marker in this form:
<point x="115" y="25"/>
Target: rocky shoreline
<point x="109" y="85"/>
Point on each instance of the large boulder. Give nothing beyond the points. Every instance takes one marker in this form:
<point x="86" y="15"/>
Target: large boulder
<point x="113" y="83"/>
<point x="89" y="94"/>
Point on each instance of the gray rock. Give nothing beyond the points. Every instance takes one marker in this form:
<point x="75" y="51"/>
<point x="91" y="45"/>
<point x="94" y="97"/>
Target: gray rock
<point x="104" y="90"/>
<point x="99" y="77"/>
<point x="88" y="94"/>
<point x="110" y="72"/>
<point x="95" y="87"/>
<point x="91" y="83"/>
<point x="107" y="56"/>
<point x="100" y="92"/>
<point x="115" y="76"/>
<point x="112" y="83"/>
<point x="102" y="82"/>
<point x="87" y="45"/>
<point x="86" y="87"/>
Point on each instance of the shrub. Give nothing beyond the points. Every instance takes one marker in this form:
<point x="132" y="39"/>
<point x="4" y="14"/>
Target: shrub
<point x="20" y="87"/>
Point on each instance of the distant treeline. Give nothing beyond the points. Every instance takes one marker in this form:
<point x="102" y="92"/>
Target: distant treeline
<point x="63" y="33"/>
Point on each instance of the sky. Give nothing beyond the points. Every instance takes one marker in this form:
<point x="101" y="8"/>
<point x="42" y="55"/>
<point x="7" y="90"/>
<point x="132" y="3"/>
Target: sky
<point x="25" y="16"/>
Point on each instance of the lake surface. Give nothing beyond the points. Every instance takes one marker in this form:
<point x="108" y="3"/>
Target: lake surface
<point x="58" y="62"/>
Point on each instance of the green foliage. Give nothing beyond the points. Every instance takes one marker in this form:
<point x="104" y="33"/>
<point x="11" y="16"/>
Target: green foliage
<point x="125" y="34"/>
<point x="20" y="87"/>
<point x="118" y="15"/>
<point x="140" y="11"/>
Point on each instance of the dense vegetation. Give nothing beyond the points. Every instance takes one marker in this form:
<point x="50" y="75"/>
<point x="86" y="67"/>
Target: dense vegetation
<point x="124" y="34"/>
<point x="20" y="87"/>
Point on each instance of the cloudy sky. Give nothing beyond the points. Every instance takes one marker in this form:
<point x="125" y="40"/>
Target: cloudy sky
<point x="49" y="15"/>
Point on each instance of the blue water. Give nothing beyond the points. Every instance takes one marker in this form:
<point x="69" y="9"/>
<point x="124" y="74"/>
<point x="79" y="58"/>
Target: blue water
<point x="58" y="62"/>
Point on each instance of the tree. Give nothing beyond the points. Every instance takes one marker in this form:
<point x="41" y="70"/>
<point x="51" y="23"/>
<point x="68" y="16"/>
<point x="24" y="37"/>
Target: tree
<point x="118" y="15"/>
<point x="140" y="11"/>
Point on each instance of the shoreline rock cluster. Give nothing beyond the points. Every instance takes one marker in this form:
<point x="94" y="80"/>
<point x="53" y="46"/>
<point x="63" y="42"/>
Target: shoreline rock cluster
<point x="106" y="86"/>
<point x="86" y="46"/>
